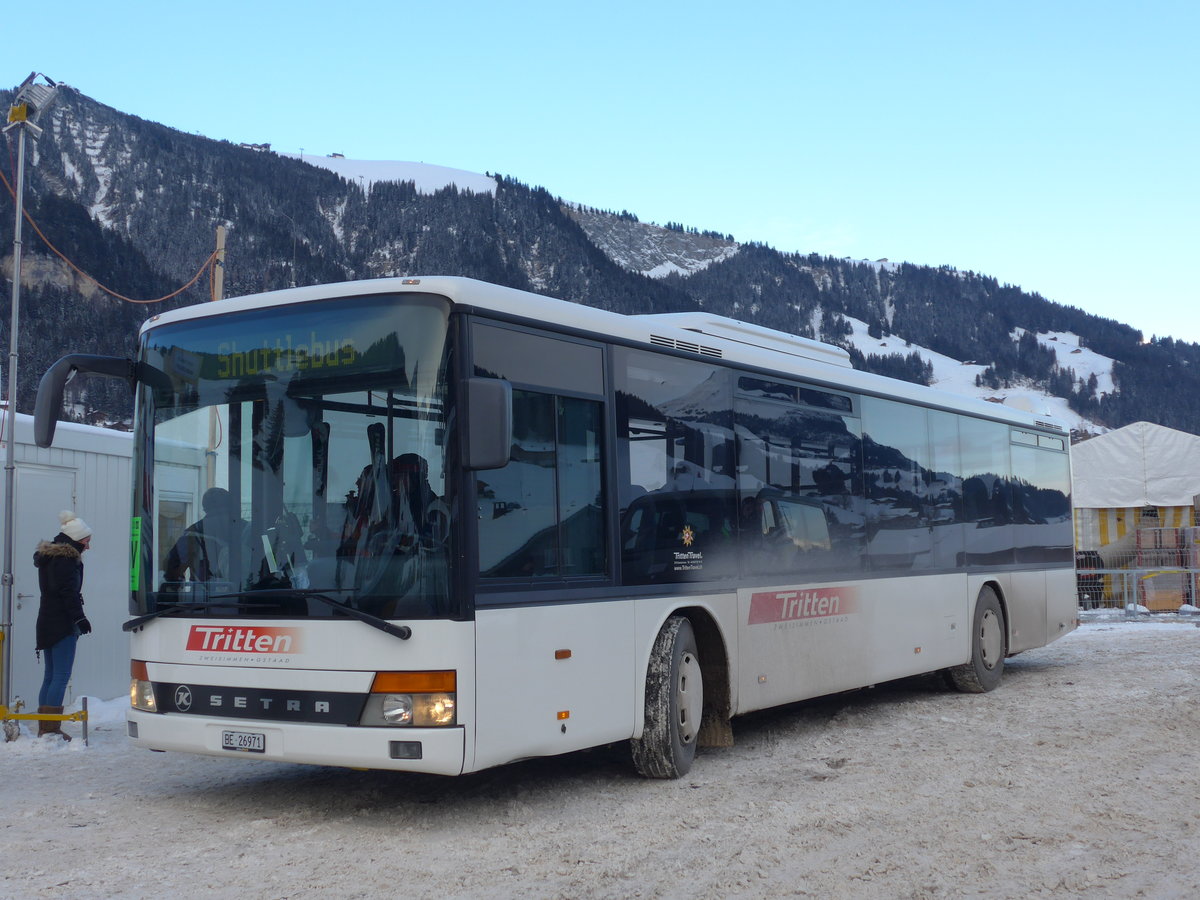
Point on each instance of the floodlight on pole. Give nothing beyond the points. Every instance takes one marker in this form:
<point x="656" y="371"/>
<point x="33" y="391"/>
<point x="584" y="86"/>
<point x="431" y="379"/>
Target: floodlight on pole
<point x="30" y="101"/>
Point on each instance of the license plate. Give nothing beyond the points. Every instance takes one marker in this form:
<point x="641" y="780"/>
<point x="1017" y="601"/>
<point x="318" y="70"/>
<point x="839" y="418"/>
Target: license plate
<point x="245" y="741"/>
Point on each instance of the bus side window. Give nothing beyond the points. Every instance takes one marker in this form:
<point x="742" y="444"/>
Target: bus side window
<point x="542" y="514"/>
<point x="802" y="465"/>
<point x="675" y="465"/>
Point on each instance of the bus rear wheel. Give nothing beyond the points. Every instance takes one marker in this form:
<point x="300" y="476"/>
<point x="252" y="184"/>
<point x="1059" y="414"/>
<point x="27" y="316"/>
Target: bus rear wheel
<point x="674" y="704"/>
<point x="988" y="647"/>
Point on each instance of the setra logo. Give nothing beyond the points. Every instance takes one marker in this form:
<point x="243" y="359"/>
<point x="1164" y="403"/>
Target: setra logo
<point x="243" y="639"/>
<point x="800" y="603"/>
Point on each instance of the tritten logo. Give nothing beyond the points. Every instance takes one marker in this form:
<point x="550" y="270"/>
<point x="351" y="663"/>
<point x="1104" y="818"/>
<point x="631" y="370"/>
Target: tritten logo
<point x="243" y="639"/>
<point x="799" y="603"/>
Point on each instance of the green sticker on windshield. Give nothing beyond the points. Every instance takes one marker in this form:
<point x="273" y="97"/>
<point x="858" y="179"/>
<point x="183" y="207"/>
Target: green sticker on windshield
<point x="135" y="553"/>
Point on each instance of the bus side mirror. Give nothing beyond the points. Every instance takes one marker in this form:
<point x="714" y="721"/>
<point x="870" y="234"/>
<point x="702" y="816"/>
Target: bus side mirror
<point x="488" y="439"/>
<point x="48" y="405"/>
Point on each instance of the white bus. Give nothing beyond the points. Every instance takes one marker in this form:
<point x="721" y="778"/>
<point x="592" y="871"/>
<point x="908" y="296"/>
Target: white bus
<point x="461" y="525"/>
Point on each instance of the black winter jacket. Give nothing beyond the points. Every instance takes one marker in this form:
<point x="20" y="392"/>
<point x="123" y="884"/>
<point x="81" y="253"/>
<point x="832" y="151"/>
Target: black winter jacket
<point x="60" y="576"/>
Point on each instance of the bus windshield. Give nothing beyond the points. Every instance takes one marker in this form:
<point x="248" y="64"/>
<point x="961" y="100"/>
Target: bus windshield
<point x="295" y="462"/>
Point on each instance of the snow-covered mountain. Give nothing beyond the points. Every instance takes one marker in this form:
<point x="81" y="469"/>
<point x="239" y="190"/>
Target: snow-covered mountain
<point x="649" y="249"/>
<point x="428" y="179"/>
<point x="137" y="204"/>
<point x="962" y="377"/>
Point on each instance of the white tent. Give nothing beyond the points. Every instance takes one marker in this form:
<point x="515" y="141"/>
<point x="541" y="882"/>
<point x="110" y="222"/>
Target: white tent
<point x="1136" y="466"/>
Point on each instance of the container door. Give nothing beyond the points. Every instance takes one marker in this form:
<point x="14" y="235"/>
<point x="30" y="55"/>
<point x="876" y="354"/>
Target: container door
<point x="41" y="492"/>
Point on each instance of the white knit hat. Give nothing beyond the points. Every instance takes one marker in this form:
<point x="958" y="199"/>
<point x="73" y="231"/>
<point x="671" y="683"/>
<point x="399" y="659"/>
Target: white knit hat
<point x="73" y="526"/>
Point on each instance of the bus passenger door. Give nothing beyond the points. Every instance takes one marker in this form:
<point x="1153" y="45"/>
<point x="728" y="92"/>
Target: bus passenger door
<point x="552" y="679"/>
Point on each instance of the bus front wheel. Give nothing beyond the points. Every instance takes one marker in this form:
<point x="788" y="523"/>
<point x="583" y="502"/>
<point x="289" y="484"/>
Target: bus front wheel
<point x="988" y="646"/>
<point x="674" y="704"/>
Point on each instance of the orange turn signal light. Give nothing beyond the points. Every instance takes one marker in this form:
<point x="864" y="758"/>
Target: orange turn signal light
<point x="444" y="682"/>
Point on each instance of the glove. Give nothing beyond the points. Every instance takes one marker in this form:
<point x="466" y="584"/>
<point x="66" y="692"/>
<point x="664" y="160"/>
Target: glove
<point x="84" y="626"/>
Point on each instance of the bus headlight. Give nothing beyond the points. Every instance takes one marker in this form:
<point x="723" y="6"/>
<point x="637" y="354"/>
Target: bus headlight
<point x="397" y="709"/>
<point x="141" y="696"/>
<point x="433" y="710"/>
<point x="412" y="699"/>
<point x="418" y="710"/>
<point x="141" y="690"/>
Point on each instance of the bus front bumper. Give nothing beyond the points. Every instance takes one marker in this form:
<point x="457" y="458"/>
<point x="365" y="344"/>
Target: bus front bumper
<point x="437" y="751"/>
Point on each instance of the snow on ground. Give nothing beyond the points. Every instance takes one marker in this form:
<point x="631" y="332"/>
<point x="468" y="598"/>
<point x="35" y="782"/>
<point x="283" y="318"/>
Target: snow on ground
<point x="427" y="178"/>
<point x="958" y="377"/>
<point x="689" y="265"/>
<point x="1073" y="355"/>
<point x="884" y="265"/>
<point x="1076" y="778"/>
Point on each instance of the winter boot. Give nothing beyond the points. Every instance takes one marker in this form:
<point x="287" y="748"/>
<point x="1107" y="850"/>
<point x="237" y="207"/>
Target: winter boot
<point x="43" y="725"/>
<point x="52" y="726"/>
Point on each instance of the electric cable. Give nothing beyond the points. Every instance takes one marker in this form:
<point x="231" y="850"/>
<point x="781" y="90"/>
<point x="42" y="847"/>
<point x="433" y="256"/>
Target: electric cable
<point x="205" y="266"/>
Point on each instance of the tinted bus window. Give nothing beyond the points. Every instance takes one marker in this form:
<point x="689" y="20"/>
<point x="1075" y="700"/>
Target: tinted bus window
<point x="792" y="393"/>
<point x="1041" y="492"/>
<point x="987" y="512"/>
<point x="899" y="476"/>
<point x="799" y="479"/>
<point x="542" y="515"/>
<point x="945" y="493"/>
<point x="676" y="468"/>
<point x="535" y="359"/>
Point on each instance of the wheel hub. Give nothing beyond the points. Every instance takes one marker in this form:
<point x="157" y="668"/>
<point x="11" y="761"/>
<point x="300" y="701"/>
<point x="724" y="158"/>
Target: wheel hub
<point x="689" y="697"/>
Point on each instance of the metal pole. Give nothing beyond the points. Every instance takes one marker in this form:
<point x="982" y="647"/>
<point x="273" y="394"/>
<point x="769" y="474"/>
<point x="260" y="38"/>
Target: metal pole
<point x="10" y="467"/>
<point x="218" y="291"/>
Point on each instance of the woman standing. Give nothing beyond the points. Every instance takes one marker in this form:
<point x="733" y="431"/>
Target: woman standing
<point x="60" y="619"/>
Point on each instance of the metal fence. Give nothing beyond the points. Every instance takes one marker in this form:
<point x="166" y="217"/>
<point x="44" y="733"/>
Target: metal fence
<point x="1157" y="568"/>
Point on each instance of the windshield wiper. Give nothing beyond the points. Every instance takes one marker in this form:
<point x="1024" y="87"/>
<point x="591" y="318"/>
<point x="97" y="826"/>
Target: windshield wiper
<point x="401" y="631"/>
<point x="183" y="607"/>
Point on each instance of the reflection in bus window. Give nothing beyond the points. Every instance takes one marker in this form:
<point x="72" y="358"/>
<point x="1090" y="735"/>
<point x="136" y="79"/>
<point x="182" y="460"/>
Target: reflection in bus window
<point x="309" y="420"/>
<point x="800" y="470"/>
<point x="542" y="515"/>
<point x="986" y="514"/>
<point x="1041" y="491"/>
<point x="675" y="455"/>
<point x="900" y="486"/>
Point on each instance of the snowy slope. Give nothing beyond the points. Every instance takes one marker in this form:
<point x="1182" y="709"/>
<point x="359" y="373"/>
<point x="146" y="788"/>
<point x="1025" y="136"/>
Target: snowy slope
<point x="958" y="377"/>
<point x="650" y="250"/>
<point x="1071" y="355"/>
<point x="428" y="179"/>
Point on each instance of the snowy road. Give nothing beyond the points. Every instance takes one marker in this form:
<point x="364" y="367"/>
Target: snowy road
<point x="1078" y="777"/>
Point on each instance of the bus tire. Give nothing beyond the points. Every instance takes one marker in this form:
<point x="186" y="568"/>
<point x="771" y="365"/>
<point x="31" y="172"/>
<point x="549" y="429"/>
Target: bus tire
<point x="674" y="704"/>
<point x="989" y="644"/>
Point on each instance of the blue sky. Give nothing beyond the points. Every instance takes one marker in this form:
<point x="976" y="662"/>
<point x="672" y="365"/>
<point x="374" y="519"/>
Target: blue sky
<point x="1052" y="145"/>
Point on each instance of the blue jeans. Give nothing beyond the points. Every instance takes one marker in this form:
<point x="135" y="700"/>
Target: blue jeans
<point x="60" y="659"/>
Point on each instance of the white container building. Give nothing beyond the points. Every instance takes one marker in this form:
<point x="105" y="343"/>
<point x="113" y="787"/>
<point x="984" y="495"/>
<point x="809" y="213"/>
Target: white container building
<point x="87" y="470"/>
